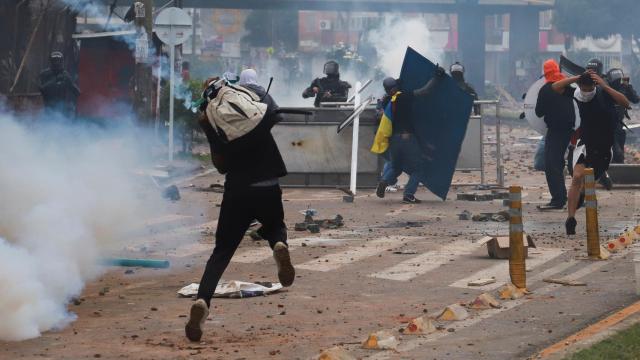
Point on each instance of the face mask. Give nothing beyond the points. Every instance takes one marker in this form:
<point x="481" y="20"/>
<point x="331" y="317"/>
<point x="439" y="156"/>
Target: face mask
<point x="584" y="96"/>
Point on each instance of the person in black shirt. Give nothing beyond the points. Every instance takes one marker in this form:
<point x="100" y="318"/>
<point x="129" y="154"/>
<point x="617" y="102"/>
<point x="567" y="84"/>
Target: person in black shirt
<point x="596" y="102"/>
<point x="405" y="150"/>
<point x="617" y="80"/>
<point x="252" y="165"/>
<point x="457" y="73"/>
<point x="329" y="88"/>
<point x="59" y="93"/>
<point x="558" y="113"/>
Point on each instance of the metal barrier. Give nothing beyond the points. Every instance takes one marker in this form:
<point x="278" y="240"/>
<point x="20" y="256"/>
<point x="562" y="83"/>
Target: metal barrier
<point x="475" y="144"/>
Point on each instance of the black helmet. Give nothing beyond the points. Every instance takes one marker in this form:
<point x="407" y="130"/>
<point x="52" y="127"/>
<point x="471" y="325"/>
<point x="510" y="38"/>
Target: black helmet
<point x="389" y="83"/>
<point x="614" y="76"/>
<point x="56" y="59"/>
<point x="331" y="68"/>
<point x="595" y="65"/>
<point x="456" y="67"/>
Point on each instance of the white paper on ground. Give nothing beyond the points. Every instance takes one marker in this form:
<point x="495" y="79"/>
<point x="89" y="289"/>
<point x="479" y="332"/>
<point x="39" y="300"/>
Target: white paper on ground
<point x="234" y="289"/>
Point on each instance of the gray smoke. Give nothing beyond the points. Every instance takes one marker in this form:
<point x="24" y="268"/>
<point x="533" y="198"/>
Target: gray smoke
<point x="68" y="198"/>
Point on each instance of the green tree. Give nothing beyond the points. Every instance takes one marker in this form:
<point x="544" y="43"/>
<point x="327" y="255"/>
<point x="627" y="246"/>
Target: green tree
<point x="267" y="28"/>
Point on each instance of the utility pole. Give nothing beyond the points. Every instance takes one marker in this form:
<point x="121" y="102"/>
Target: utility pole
<point x="142" y="81"/>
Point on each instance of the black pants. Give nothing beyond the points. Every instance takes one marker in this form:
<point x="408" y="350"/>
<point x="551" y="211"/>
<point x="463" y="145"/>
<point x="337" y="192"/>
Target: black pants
<point x="239" y="208"/>
<point x="555" y="146"/>
<point x="619" y="139"/>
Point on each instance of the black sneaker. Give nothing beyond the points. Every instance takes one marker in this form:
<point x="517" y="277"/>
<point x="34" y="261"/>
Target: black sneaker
<point x="410" y="199"/>
<point x="381" y="189"/>
<point x="605" y="181"/>
<point x="550" y="206"/>
<point x="580" y="201"/>
<point x="286" y="272"/>
<point x="570" y="225"/>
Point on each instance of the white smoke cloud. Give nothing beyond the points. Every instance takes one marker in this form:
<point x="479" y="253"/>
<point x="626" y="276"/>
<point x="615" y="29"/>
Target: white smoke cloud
<point x="393" y="37"/>
<point x="68" y="197"/>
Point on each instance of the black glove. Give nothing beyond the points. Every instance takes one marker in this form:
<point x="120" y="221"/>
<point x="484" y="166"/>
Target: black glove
<point x="439" y="71"/>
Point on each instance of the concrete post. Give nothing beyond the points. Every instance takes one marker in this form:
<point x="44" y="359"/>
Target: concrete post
<point x="591" y="206"/>
<point x="517" y="268"/>
<point x="471" y="43"/>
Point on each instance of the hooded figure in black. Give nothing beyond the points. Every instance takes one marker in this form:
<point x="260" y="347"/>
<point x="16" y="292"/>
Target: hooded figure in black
<point x="457" y="73"/>
<point x="329" y="88"/>
<point x="617" y="80"/>
<point x="59" y="93"/>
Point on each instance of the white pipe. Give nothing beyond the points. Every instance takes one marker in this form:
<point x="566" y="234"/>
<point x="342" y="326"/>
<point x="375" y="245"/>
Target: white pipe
<point x="172" y="66"/>
<point x="354" y="142"/>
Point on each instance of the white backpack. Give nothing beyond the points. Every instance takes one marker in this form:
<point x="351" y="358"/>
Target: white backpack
<point x="236" y="111"/>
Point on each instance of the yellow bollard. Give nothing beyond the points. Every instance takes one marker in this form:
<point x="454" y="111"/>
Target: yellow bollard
<point x="517" y="269"/>
<point x="591" y="209"/>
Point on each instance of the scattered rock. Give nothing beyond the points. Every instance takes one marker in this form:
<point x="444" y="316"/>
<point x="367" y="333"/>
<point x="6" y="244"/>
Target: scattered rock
<point x="419" y="325"/>
<point x="335" y="353"/>
<point x="171" y="193"/>
<point x="511" y="292"/>
<point x="381" y="340"/>
<point x="484" y="301"/>
<point x="453" y="312"/>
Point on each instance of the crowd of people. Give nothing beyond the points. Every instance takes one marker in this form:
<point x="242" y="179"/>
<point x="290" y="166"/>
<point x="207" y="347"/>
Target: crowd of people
<point x="596" y="141"/>
<point x="238" y="116"/>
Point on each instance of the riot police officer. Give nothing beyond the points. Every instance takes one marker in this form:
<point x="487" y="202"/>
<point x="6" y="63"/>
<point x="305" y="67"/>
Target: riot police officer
<point x="617" y="80"/>
<point x="329" y="88"/>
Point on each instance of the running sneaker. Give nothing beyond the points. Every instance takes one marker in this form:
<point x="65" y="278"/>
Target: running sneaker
<point x="197" y="316"/>
<point x="570" y="226"/>
<point x="382" y="186"/>
<point x="286" y="272"/>
<point x="410" y="199"/>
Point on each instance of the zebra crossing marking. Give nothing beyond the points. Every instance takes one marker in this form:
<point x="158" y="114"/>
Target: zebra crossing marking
<point x="430" y="260"/>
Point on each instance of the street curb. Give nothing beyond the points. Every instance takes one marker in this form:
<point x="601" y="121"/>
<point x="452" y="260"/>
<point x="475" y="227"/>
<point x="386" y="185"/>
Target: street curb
<point x="603" y="329"/>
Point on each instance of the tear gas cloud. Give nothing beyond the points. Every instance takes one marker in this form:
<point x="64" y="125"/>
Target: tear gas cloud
<point x="395" y="35"/>
<point x="68" y="198"/>
<point x="390" y="39"/>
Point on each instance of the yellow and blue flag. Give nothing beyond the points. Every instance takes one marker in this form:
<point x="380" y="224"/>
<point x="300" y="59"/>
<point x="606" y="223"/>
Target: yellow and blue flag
<point x="385" y="129"/>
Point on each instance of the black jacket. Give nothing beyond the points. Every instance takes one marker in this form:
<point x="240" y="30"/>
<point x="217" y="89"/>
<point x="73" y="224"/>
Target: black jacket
<point x="253" y="157"/>
<point x="332" y="89"/>
<point x="558" y="110"/>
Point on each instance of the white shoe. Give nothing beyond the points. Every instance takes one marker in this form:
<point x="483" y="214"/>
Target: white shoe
<point x="391" y="188"/>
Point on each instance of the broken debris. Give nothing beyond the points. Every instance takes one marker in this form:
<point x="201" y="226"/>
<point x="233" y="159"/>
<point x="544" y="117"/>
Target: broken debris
<point x="171" y="193"/>
<point x="234" y="289"/>
<point x="484" y="301"/>
<point x="419" y="325"/>
<point x="335" y="353"/>
<point x="511" y="292"/>
<point x="381" y="340"/>
<point x="454" y="312"/>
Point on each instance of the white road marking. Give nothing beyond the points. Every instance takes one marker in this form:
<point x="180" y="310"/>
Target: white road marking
<point x="427" y="261"/>
<point x="500" y="270"/>
<point x="354" y="253"/>
<point x="416" y="342"/>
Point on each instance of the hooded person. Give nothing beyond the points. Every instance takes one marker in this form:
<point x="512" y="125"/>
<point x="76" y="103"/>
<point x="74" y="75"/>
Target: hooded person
<point x="457" y="73"/>
<point x="595" y="136"/>
<point x="59" y="92"/>
<point x="237" y="123"/>
<point x="559" y="116"/>
<point x="329" y="88"/>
